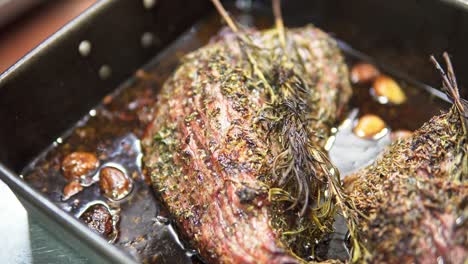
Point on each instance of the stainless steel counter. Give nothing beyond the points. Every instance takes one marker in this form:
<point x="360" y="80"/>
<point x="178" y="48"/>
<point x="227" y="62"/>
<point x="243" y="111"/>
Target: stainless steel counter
<point x="24" y="240"/>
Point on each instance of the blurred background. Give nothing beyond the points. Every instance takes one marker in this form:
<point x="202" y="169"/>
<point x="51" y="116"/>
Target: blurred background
<point x="24" y="24"/>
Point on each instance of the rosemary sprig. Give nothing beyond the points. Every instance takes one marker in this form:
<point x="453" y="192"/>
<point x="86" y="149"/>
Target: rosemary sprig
<point x="303" y="175"/>
<point x="450" y="86"/>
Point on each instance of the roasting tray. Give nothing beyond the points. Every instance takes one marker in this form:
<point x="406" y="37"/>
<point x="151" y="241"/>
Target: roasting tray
<point x="57" y="83"/>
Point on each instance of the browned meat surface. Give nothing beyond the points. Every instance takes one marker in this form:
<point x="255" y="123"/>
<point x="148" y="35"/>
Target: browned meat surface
<point x="210" y="159"/>
<point x="415" y="195"/>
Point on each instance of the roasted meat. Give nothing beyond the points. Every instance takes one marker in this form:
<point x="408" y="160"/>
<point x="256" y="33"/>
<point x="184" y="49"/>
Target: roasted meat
<point x="235" y="147"/>
<point x="413" y="199"/>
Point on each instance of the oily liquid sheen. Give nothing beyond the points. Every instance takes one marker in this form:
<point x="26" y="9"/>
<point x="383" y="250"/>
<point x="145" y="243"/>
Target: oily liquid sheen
<point x="112" y="131"/>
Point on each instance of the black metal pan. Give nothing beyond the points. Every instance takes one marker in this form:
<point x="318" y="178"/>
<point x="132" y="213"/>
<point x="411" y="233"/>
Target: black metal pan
<point x="55" y="85"/>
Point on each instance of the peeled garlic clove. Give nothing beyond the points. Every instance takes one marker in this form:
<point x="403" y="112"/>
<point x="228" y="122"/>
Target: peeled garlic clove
<point x="114" y="183"/>
<point x="79" y="164"/>
<point x="364" y="73"/>
<point x="99" y="219"/>
<point x="389" y="90"/>
<point x="370" y="127"/>
<point x="71" y="189"/>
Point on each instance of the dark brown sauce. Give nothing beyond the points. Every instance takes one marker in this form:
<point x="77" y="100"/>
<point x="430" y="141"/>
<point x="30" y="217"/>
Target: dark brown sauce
<point x="112" y="131"/>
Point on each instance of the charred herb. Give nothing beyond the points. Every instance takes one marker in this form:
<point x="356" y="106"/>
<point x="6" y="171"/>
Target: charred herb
<point x="415" y="195"/>
<point x="302" y="179"/>
<point x="449" y="81"/>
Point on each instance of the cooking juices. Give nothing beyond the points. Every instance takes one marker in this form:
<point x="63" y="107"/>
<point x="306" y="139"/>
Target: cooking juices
<point x="94" y="170"/>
